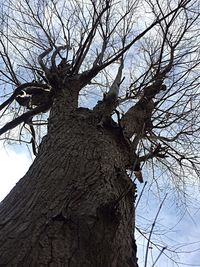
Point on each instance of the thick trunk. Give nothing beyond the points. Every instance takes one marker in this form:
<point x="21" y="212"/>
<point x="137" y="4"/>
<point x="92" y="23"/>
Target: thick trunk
<point x="75" y="205"/>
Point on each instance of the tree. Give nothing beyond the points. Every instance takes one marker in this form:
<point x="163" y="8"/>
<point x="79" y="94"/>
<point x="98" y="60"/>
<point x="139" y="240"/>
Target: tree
<point x="75" y="205"/>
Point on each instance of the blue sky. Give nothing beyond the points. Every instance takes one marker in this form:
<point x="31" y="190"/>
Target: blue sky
<point x="177" y="228"/>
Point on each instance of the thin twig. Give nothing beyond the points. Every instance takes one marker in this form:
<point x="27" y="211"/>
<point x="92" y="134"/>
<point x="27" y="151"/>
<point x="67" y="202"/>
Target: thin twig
<point x="161" y="252"/>
<point x="151" y="231"/>
<point x="141" y="194"/>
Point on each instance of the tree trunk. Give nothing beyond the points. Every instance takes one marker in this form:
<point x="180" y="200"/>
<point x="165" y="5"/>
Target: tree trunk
<point x="75" y="205"/>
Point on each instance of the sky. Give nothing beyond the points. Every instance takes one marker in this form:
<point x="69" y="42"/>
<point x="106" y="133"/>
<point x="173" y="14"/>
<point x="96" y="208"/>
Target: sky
<point x="178" y="228"/>
<point x="14" y="164"/>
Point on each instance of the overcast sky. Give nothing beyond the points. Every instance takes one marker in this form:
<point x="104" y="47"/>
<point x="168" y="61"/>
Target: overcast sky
<point x="172" y="226"/>
<point x="14" y="164"/>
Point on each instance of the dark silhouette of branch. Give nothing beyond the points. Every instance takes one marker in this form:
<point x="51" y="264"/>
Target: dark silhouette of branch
<point x="84" y="49"/>
<point x="24" y="118"/>
<point x="138" y="199"/>
<point x="151" y="231"/>
<point x="19" y="89"/>
<point x="158" y="257"/>
<point x="41" y="62"/>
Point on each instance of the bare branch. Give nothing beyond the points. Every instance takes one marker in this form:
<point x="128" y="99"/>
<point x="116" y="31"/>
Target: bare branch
<point x="41" y="62"/>
<point x="24" y="118"/>
<point x="114" y="89"/>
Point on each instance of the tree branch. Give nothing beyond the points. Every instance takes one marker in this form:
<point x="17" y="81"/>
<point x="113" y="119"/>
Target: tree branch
<point x="24" y="118"/>
<point x="19" y="89"/>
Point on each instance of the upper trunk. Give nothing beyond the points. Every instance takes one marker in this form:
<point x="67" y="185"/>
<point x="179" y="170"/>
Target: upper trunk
<point x="75" y="205"/>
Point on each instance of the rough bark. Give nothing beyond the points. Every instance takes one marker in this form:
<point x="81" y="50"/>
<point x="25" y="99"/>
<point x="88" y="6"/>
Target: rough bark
<point x="75" y="205"/>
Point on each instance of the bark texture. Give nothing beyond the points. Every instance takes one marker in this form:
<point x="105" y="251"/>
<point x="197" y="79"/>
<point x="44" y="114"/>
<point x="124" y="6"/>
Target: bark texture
<point x="75" y="205"/>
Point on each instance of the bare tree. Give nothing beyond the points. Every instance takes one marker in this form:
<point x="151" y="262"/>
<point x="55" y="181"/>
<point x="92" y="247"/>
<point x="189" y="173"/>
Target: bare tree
<point x="134" y="65"/>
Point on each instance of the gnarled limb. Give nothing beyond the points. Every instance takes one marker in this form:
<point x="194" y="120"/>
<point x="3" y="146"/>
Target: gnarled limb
<point x="19" y="89"/>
